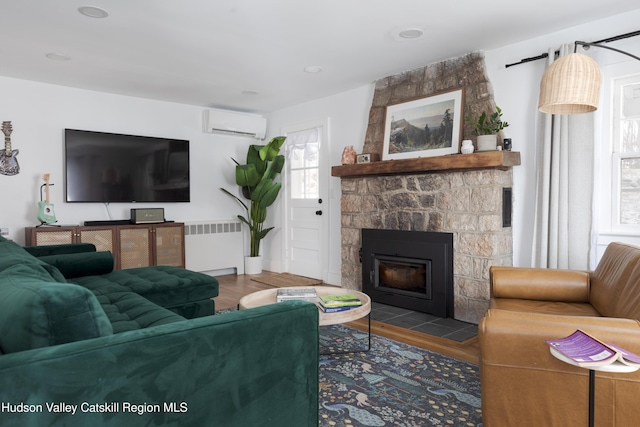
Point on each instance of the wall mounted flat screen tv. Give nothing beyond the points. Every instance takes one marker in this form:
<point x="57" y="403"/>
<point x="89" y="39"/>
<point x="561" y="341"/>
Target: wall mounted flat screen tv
<point x="107" y="167"/>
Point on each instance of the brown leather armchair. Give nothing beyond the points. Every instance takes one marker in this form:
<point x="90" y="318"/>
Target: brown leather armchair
<point x="522" y="383"/>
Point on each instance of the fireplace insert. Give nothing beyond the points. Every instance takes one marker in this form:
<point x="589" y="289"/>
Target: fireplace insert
<point x="409" y="269"/>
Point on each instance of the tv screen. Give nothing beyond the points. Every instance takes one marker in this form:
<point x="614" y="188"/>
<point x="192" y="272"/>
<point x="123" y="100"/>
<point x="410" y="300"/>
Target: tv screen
<point x="107" y="167"/>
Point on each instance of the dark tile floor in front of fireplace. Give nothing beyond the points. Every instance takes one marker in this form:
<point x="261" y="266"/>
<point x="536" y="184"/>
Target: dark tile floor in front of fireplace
<point x="422" y="322"/>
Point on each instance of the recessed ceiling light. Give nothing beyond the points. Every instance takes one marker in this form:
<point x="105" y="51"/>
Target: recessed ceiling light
<point x="93" y="12"/>
<point x="313" y="69"/>
<point x="411" y="33"/>
<point x="58" y="57"/>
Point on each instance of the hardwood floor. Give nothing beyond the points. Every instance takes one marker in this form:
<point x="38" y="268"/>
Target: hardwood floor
<point x="233" y="287"/>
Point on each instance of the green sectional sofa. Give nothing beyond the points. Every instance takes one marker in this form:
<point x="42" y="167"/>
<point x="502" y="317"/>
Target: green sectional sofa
<point x="84" y="345"/>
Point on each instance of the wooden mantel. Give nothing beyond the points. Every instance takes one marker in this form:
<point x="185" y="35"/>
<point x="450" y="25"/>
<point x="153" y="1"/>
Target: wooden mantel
<point x="455" y="162"/>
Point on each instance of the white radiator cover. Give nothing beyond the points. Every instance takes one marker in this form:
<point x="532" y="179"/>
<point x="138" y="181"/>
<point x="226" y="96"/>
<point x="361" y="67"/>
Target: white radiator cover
<point x="214" y="245"/>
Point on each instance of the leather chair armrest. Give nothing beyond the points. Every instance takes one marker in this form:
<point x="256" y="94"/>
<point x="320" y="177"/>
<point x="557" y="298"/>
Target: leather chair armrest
<point x="539" y="284"/>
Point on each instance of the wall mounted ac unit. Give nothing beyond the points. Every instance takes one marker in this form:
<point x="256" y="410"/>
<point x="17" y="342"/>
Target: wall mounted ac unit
<point x="231" y="122"/>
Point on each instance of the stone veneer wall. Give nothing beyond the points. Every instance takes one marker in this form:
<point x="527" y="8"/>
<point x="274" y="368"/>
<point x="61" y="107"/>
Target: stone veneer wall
<point x="467" y="204"/>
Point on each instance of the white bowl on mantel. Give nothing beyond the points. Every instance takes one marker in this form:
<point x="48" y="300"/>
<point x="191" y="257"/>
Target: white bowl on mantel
<point x="487" y="142"/>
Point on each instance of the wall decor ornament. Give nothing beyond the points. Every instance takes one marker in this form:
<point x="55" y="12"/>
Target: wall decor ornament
<point x="8" y="157"/>
<point x="467" y="147"/>
<point x="424" y="127"/>
<point x="349" y="155"/>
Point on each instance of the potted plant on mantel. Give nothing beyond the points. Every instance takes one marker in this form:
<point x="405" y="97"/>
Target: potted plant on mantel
<point x="257" y="182"/>
<point x="486" y="127"/>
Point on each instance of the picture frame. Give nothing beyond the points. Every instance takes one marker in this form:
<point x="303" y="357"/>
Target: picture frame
<point x="424" y="127"/>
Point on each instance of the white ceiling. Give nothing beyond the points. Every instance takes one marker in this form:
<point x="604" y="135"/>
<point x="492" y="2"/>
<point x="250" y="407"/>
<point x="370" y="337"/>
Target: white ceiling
<point x="208" y="52"/>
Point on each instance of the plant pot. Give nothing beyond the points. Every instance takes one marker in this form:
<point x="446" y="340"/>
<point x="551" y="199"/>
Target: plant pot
<point x="252" y="264"/>
<point x="487" y="142"/>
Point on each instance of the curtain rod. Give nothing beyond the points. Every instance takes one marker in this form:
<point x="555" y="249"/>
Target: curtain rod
<point x="607" y="40"/>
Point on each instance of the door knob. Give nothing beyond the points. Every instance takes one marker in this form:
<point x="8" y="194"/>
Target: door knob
<point x="318" y="212"/>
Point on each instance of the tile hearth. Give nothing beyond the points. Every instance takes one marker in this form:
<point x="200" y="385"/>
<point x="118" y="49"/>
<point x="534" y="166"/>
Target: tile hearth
<point x="447" y="328"/>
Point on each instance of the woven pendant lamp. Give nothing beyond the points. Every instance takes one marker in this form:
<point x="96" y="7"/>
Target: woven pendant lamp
<point x="570" y="85"/>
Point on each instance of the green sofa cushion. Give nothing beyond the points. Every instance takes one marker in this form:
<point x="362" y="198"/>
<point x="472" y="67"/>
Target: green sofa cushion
<point x="12" y="254"/>
<point x="128" y="311"/>
<point x="67" y="248"/>
<point x="36" y="313"/>
<point x="81" y="264"/>
<point x="166" y="286"/>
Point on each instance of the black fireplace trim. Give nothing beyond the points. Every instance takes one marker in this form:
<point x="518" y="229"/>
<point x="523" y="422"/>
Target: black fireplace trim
<point x="439" y="248"/>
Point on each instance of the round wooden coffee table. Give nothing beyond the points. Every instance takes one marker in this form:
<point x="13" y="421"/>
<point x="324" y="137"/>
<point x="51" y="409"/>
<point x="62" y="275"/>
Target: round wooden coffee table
<point x="268" y="296"/>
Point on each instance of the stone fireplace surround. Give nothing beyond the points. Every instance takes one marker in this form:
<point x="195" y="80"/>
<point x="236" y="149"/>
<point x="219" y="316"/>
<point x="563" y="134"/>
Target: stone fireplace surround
<point x="463" y="197"/>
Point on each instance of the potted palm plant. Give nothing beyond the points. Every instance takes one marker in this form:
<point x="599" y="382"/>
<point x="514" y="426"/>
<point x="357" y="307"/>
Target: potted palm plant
<point x="257" y="181"/>
<point x="486" y="127"/>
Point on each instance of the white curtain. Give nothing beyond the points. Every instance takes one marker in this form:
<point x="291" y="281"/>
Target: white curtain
<point x="564" y="188"/>
<point x="304" y="142"/>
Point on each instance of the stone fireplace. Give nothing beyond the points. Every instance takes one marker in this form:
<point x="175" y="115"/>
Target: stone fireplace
<point x="468" y="196"/>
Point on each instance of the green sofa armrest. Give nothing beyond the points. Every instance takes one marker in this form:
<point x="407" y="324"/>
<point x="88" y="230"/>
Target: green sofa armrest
<point x="81" y="264"/>
<point x="255" y="367"/>
<point x="71" y="248"/>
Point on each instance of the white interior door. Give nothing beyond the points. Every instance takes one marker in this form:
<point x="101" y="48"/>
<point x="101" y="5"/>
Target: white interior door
<point x="306" y="221"/>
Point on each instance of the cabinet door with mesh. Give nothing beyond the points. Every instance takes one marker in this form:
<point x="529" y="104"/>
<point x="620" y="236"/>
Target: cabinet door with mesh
<point x="169" y="240"/>
<point x="102" y="238"/>
<point x="51" y="236"/>
<point x="135" y="248"/>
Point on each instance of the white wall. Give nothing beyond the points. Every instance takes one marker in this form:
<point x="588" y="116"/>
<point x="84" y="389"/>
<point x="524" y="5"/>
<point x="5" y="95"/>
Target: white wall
<point x="39" y="115"/>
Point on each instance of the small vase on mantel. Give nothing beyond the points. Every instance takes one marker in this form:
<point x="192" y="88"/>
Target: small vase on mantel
<point x="467" y="147"/>
<point x="487" y="142"/>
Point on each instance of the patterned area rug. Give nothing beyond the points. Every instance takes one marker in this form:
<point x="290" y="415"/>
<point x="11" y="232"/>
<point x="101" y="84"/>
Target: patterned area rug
<point x="394" y="384"/>
<point x="286" y="279"/>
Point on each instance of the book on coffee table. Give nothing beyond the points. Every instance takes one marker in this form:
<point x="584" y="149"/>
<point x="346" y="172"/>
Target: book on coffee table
<point x="288" y="294"/>
<point x="336" y="309"/>
<point x="347" y="300"/>
<point x="581" y="349"/>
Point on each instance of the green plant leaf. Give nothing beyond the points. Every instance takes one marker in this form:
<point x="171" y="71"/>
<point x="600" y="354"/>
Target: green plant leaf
<point x="271" y="150"/>
<point x="271" y="195"/>
<point x="247" y="175"/>
<point x="261" y="235"/>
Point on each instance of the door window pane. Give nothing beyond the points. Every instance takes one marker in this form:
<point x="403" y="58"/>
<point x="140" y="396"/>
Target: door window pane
<point x="303" y="149"/>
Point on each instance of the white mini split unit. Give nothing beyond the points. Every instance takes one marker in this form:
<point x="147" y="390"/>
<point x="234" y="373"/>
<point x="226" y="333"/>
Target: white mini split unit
<point x="234" y="123"/>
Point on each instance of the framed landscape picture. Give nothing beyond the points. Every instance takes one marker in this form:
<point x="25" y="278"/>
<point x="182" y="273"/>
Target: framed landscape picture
<point x="424" y="127"/>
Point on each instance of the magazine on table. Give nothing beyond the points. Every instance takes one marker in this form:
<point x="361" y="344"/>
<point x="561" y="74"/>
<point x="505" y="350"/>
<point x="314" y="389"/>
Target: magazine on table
<point x="288" y="294"/>
<point x="583" y="350"/>
<point x="348" y="300"/>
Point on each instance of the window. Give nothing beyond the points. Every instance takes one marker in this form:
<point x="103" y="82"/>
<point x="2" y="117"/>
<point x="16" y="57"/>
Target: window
<point x="626" y="152"/>
<point x="303" y="148"/>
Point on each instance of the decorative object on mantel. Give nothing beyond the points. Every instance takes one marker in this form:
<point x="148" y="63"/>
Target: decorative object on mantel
<point x="425" y="127"/>
<point x="486" y="127"/>
<point x="467" y="147"/>
<point x="367" y="158"/>
<point x="349" y="155"/>
<point x="8" y="161"/>
<point x="506" y="143"/>
<point x="256" y="180"/>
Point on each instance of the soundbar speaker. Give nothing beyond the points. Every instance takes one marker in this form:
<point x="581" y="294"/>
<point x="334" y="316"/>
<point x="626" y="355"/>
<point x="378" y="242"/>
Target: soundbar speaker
<point x="147" y="216"/>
